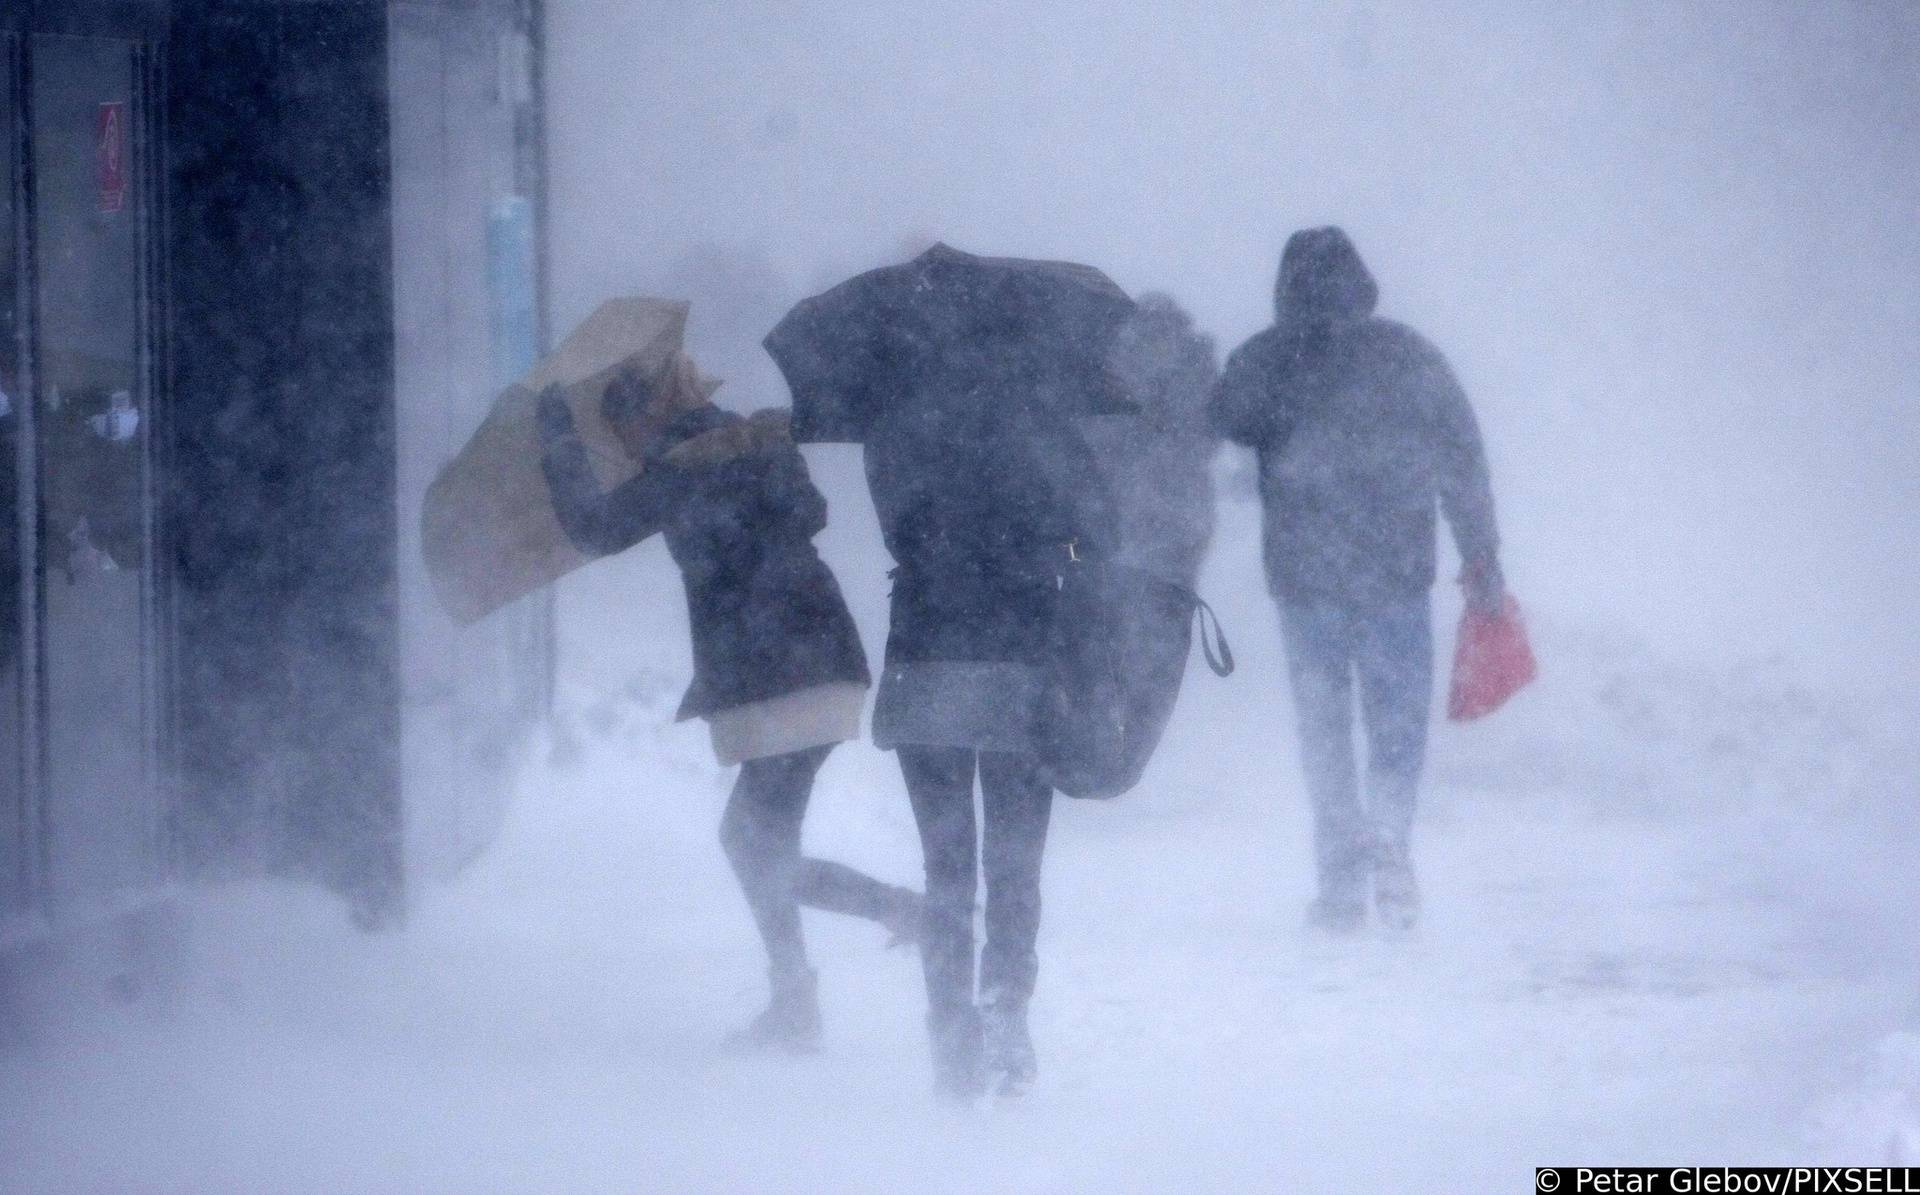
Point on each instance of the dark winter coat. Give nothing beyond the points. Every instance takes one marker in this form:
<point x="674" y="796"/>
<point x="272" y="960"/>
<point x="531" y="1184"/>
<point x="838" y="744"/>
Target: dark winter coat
<point x="977" y="505"/>
<point x="980" y="498"/>
<point x="766" y="613"/>
<point x="1361" y="430"/>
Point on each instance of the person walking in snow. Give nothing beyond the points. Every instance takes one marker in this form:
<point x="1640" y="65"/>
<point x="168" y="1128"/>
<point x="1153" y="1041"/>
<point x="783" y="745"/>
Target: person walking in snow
<point x="962" y="376"/>
<point x="779" y="672"/>
<point x="1361" y="431"/>
<point x="973" y="501"/>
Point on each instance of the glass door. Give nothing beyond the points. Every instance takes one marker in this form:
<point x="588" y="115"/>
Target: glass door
<point x="92" y="399"/>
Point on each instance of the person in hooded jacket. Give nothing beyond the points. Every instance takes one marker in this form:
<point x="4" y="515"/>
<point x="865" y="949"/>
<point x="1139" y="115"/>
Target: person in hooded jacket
<point x="779" y="673"/>
<point x="1361" y="432"/>
<point x="980" y="494"/>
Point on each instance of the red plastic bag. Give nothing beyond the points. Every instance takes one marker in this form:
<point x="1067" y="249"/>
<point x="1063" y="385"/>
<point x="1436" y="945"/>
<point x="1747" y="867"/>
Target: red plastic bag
<point x="1491" y="662"/>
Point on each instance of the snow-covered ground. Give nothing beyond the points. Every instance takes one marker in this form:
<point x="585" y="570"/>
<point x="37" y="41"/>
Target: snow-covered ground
<point x="1670" y="920"/>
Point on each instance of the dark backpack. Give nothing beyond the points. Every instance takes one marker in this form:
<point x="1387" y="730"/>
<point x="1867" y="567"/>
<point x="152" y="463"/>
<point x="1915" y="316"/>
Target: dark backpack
<point x="1117" y="654"/>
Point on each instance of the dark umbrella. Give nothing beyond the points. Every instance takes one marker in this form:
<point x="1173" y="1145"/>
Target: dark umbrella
<point x="1017" y="328"/>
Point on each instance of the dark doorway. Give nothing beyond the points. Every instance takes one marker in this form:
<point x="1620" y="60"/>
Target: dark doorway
<point x="279" y="509"/>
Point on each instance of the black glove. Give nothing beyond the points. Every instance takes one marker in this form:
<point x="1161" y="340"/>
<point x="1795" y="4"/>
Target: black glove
<point x="552" y="416"/>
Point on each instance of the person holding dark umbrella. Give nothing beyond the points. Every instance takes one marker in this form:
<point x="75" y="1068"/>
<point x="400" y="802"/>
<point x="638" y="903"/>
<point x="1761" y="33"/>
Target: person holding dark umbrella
<point x="959" y="374"/>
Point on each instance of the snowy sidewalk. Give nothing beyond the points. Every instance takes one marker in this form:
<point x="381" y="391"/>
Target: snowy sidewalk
<point x="1590" y="986"/>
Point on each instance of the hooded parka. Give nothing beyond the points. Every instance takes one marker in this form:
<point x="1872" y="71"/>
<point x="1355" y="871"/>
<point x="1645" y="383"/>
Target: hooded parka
<point x="1362" y="432"/>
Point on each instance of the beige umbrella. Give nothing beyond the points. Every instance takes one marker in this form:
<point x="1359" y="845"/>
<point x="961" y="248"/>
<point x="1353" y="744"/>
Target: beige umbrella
<point x="488" y="529"/>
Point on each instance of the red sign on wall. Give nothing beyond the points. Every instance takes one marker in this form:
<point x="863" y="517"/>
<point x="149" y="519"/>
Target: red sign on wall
<point x="110" y="150"/>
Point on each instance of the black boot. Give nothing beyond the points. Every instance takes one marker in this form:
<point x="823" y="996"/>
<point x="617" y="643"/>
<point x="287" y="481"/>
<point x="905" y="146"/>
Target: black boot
<point x="790" y="1024"/>
<point x="958" y="1072"/>
<point x="1010" y="1061"/>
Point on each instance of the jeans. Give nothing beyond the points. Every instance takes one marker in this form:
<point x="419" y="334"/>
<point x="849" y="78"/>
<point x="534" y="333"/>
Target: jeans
<point x="760" y="833"/>
<point x="1389" y="647"/>
<point x="1017" y="803"/>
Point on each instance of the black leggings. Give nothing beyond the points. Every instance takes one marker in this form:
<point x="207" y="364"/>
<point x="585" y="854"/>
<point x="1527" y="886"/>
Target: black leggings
<point x="1017" y="803"/>
<point x="760" y="833"/>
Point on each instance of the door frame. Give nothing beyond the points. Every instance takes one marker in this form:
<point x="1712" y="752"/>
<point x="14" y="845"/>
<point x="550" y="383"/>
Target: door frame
<point x="29" y="816"/>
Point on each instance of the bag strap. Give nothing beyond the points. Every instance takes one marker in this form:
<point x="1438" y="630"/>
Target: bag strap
<point x="1219" y="654"/>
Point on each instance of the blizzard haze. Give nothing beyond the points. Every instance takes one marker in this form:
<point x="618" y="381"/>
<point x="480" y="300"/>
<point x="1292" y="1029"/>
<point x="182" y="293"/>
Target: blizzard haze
<point x="1670" y="249"/>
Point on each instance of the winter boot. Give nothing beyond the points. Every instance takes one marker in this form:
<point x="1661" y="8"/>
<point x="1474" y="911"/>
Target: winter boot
<point x="1396" y="897"/>
<point x="1340" y="909"/>
<point x="790" y="1023"/>
<point x="1009" y="1047"/>
<point x="1339" y="917"/>
<point x="959" y="1074"/>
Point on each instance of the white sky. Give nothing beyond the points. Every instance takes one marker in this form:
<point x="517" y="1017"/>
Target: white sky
<point x="1671" y="249"/>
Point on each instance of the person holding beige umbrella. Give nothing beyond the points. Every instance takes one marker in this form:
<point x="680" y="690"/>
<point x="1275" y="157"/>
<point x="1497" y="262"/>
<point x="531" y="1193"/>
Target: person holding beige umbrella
<point x="780" y="676"/>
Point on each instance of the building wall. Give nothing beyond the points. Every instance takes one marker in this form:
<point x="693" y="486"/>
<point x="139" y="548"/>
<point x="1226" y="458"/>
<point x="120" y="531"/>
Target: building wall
<point x="327" y="195"/>
<point x="466" y="293"/>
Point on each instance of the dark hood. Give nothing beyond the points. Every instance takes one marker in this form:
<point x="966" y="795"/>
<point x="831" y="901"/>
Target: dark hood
<point x="1322" y="280"/>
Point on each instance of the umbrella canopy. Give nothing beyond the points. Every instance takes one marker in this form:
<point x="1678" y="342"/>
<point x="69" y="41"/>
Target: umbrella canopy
<point x="1020" y="329"/>
<point x="488" y="529"/>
